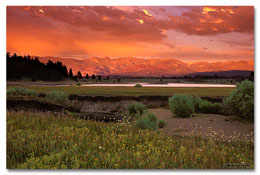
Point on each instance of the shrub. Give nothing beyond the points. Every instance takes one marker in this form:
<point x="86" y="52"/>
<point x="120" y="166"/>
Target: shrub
<point x="161" y="123"/>
<point x="217" y="108"/>
<point x="181" y="105"/>
<point x="203" y="106"/>
<point x="22" y="91"/>
<point x="146" y="122"/>
<point x="196" y="103"/>
<point x="136" y="109"/>
<point x="138" y="85"/>
<point x="152" y="117"/>
<point x="78" y="84"/>
<point x="241" y="101"/>
<point x="57" y="97"/>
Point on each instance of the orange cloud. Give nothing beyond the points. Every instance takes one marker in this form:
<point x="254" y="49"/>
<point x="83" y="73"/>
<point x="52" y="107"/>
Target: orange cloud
<point x="147" y="13"/>
<point x="105" y="18"/>
<point x="109" y="31"/>
<point x="206" y="10"/>
<point x="222" y="19"/>
<point x="217" y="21"/>
<point x="140" y="21"/>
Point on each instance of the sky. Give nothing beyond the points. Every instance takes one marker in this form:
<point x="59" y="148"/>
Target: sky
<point x="187" y="33"/>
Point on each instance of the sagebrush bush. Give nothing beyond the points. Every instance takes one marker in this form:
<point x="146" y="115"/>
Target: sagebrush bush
<point x="241" y="101"/>
<point x="136" y="109"/>
<point x="22" y="91"/>
<point x="217" y="108"/>
<point x="149" y="121"/>
<point x="181" y="105"/>
<point x="138" y="85"/>
<point x="57" y="97"/>
<point x="161" y="123"/>
<point x="196" y="103"/>
<point x="204" y="106"/>
<point x="152" y="117"/>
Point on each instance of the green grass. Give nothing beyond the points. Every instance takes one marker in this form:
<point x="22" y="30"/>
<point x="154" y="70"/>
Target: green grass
<point x="132" y="91"/>
<point x="20" y="91"/>
<point x="46" y="141"/>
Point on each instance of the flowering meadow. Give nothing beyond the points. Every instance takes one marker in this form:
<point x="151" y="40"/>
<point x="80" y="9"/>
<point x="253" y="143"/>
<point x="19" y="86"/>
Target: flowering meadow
<point x="45" y="141"/>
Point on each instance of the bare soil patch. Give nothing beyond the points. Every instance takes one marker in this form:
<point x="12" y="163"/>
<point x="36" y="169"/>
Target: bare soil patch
<point x="206" y="125"/>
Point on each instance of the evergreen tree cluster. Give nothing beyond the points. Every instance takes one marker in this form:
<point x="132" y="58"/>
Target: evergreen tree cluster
<point x="19" y="67"/>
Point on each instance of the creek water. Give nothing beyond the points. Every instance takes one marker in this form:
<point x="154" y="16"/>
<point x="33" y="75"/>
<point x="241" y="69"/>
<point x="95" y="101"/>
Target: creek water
<point x="163" y="85"/>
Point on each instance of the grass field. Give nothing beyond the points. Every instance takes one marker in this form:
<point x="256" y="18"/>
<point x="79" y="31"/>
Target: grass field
<point x="132" y="91"/>
<point x="39" y="141"/>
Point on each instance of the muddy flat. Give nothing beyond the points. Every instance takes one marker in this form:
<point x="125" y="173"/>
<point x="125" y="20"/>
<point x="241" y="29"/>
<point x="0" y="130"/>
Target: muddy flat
<point x="206" y="125"/>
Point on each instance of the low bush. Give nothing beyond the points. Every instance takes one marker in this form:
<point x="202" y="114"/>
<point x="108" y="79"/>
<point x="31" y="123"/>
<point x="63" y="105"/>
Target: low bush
<point x="217" y="108"/>
<point x="152" y="117"/>
<point x="203" y="106"/>
<point x="147" y="122"/>
<point x="241" y="101"/>
<point x="181" y="105"/>
<point x="196" y="103"/>
<point x="138" y="85"/>
<point x="22" y="91"/>
<point x="57" y="97"/>
<point x="161" y="123"/>
<point x="136" y="109"/>
<point x="78" y="84"/>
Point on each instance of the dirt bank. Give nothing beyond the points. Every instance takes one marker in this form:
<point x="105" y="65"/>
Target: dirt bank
<point x="206" y="125"/>
<point x="145" y="98"/>
<point x="33" y="105"/>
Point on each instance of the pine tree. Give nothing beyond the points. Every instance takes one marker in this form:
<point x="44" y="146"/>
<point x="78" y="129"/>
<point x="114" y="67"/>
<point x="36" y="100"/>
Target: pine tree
<point x="70" y="74"/>
<point x="93" y="77"/>
<point x="79" y="75"/>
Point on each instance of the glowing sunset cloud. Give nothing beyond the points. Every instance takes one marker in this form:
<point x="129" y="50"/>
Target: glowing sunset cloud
<point x="185" y="33"/>
<point x="140" y="21"/>
<point x="105" y="18"/>
<point x="146" y="12"/>
<point x="208" y="9"/>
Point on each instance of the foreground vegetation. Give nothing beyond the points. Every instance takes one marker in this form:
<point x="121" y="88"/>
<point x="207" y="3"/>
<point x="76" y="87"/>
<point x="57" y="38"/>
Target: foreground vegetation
<point x="133" y="91"/>
<point x="241" y="101"/>
<point x="51" y="142"/>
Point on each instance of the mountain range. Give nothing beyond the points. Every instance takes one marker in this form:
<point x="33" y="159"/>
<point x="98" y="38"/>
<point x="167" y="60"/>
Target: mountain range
<point x="130" y="66"/>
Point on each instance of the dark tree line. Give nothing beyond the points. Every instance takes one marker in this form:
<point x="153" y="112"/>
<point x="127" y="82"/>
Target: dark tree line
<point x="25" y="66"/>
<point x="19" y="67"/>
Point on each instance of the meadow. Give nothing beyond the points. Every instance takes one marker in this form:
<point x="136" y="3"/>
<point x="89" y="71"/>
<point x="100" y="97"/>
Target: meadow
<point x="133" y="91"/>
<point x="45" y="141"/>
<point x="63" y="140"/>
